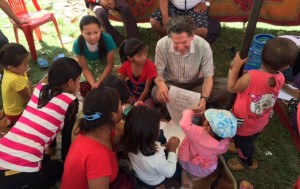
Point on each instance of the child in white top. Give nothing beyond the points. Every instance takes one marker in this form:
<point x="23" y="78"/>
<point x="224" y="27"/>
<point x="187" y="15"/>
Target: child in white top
<point x="146" y="155"/>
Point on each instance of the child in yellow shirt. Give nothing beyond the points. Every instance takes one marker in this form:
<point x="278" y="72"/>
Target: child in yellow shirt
<point x="15" y="84"/>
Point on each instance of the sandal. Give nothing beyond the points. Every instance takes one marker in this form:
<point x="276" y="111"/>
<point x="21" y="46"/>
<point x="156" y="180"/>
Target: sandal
<point x="246" y="185"/>
<point x="236" y="165"/>
<point x="231" y="148"/>
<point x="58" y="56"/>
<point x="43" y="63"/>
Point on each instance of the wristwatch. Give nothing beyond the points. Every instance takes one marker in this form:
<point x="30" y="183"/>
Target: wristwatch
<point x="207" y="3"/>
<point x="205" y="98"/>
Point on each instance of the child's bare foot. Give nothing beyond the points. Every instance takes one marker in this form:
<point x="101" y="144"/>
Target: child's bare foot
<point x="185" y="180"/>
<point x="162" y="186"/>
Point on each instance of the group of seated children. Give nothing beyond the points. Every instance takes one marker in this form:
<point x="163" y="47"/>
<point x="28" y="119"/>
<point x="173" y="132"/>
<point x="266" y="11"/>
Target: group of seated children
<point x="91" y="160"/>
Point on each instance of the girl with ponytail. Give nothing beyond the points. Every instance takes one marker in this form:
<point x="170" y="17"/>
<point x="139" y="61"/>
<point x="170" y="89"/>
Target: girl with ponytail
<point x="52" y="108"/>
<point x="92" y="161"/>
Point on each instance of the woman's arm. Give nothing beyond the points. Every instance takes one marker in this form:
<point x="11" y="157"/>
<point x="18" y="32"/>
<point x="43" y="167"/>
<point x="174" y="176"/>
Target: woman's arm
<point x="6" y="8"/>
<point x="146" y="90"/>
<point x="163" y="5"/>
<point x="85" y="70"/>
<point x="110" y="58"/>
<point x="99" y="183"/>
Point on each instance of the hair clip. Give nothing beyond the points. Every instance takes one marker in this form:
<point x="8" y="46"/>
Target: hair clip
<point x="93" y="117"/>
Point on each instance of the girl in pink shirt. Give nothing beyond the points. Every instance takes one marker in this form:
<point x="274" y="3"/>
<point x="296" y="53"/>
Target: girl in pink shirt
<point x="198" y="152"/>
<point x="257" y="91"/>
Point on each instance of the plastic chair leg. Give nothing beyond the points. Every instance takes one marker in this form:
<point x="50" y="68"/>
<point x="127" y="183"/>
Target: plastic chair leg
<point x="16" y="34"/>
<point x="57" y="30"/>
<point x="38" y="33"/>
<point x="30" y="42"/>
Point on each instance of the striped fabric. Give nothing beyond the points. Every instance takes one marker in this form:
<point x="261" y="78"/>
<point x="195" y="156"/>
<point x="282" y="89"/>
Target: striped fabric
<point x="188" y="68"/>
<point x="22" y="148"/>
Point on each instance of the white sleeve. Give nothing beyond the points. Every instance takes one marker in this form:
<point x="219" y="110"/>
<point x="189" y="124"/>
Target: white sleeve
<point x="166" y="167"/>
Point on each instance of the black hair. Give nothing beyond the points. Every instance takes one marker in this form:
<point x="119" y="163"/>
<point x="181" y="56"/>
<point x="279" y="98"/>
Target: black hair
<point x="296" y="66"/>
<point x="181" y="24"/>
<point x="130" y="48"/>
<point x="141" y="131"/>
<point x="215" y="136"/>
<point x="278" y="53"/>
<point x="12" y="54"/>
<point x="86" y="20"/>
<point x="104" y="100"/>
<point x="60" y="72"/>
<point x="116" y="83"/>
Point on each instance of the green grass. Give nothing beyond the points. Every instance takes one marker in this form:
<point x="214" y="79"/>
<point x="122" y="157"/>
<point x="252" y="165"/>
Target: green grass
<point x="278" y="171"/>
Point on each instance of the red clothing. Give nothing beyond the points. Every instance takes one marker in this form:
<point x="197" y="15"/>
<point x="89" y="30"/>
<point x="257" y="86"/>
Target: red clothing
<point x="138" y="86"/>
<point x="253" y="106"/>
<point x="297" y="183"/>
<point x="298" y="119"/>
<point x="13" y="118"/>
<point x="88" y="159"/>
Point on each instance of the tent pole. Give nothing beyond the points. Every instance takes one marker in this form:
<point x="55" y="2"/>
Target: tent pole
<point x="257" y="4"/>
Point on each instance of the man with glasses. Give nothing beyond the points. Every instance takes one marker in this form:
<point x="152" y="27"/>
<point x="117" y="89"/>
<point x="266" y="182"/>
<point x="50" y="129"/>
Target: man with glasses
<point x="185" y="60"/>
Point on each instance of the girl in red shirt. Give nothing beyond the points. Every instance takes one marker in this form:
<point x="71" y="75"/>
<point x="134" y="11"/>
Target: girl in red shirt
<point x="139" y="70"/>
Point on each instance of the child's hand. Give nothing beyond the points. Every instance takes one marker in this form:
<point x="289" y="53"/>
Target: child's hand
<point x="96" y="85"/>
<point x="237" y="61"/>
<point x="173" y="144"/>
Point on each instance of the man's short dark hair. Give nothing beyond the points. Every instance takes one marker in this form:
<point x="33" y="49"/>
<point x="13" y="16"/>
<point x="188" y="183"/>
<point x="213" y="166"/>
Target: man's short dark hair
<point x="181" y="24"/>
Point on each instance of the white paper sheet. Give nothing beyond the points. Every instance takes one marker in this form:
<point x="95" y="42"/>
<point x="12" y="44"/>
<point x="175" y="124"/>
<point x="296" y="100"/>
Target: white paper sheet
<point x="283" y="95"/>
<point x="179" y="100"/>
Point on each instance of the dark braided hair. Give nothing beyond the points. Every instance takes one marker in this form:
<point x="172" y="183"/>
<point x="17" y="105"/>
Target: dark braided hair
<point x="86" y="20"/>
<point x="60" y="72"/>
<point x="104" y="100"/>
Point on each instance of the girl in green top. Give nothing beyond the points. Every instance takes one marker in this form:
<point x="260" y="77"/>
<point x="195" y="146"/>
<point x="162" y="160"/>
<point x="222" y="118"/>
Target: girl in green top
<point x="93" y="47"/>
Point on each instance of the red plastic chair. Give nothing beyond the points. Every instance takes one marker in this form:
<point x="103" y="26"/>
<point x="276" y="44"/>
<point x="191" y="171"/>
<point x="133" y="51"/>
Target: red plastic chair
<point x="35" y="20"/>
